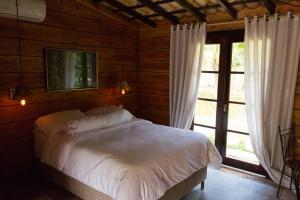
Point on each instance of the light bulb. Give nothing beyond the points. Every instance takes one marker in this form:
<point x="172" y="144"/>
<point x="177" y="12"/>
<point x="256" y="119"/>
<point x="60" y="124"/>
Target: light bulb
<point x="123" y="91"/>
<point x="23" y="102"/>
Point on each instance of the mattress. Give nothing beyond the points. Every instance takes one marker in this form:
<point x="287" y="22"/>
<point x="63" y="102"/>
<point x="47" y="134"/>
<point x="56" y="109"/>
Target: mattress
<point x="133" y="160"/>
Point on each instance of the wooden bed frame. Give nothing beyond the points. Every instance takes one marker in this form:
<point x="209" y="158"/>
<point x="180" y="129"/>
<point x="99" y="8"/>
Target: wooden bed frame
<point x="87" y="193"/>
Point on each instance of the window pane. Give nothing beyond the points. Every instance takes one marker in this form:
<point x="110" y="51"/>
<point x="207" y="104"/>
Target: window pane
<point x="205" y="113"/>
<point x="238" y="56"/>
<point x="237" y="120"/>
<point x="211" y="57"/>
<point x="208" y="86"/>
<point x="239" y="147"/>
<point x="209" y="132"/>
<point x="237" y="87"/>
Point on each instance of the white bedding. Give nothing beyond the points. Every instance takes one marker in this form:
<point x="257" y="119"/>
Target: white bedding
<point x="137" y="160"/>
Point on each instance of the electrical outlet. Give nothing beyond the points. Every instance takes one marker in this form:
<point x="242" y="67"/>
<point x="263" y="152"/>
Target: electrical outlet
<point x="12" y="92"/>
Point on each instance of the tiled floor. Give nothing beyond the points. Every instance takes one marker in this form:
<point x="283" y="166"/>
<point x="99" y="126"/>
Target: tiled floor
<point x="226" y="184"/>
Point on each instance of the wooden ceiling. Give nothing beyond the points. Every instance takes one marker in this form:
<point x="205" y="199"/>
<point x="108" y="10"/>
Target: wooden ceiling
<point x="148" y="11"/>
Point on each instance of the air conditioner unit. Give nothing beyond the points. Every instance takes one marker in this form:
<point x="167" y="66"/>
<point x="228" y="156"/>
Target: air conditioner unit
<point x="29" y="10"/>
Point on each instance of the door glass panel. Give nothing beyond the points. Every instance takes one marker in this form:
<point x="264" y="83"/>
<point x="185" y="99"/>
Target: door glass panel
<point x="237" y="120"/>
<point x="208" y="86"/>
<point x="205" y="113"/>
<point x="238" y="56"/>
<point x="237" y="87"/>
<point x="211" y="56"/>
<point x="209" y="132"/>
<point x="231" y="132"/>
<point x="239" y="147"/>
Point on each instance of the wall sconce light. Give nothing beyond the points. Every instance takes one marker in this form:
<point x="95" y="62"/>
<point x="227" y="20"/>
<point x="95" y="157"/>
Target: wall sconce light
<point x="21" y="93"/>
<point x="123" y="87"/>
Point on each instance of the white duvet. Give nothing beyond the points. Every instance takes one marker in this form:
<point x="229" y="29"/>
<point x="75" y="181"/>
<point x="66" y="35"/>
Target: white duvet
<point x="137" y="160"/>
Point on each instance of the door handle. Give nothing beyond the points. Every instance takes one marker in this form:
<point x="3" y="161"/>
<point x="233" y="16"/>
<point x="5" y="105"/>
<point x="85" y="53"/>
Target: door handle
<point x="225" y="108"/>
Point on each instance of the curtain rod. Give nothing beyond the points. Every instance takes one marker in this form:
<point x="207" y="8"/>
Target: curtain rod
<point x="268" y="17"/>
<point x="208" y="24"/>
<point x="226" y="22"/>
<point x="250" y="17"/>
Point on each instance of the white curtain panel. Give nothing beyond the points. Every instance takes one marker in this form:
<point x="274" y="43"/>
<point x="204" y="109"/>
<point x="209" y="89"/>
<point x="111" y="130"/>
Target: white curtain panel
<point x="271" y="64"/>
<point x="187" y="43"/>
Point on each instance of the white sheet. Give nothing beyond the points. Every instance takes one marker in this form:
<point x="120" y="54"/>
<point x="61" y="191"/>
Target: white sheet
<point x="137" y="160"/>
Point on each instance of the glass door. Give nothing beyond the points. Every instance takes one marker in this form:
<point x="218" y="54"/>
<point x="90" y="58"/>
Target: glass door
<point x="239" y="152"/>
<point x="220" y="109"/>
<point x="206" y="106"/>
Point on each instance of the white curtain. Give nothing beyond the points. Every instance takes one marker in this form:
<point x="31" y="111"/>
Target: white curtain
<point x="271" y="64"/>
<point x="187" y="43"/>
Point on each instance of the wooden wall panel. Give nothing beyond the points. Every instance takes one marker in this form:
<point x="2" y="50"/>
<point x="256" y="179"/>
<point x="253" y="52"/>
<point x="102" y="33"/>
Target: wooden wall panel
<point x="296" y="114"/>
<point x="68" y="25"/>
<point x="154" y="56"/>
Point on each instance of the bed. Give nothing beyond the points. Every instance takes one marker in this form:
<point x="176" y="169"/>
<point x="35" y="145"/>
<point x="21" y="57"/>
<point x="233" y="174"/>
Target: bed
<point x="113" y="155"/>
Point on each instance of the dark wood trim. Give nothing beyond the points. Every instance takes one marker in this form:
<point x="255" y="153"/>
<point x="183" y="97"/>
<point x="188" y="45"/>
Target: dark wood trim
<point x="236" y="72"/>
<point x="210" y="72"/>
<point x="131" y="12"/>
<point x="205" y="99"/>
<point x="216" y="37"/>
<point x="187" y="6"/>
<point x="228" y="8"/>
<point x="237" y="102"/>
<point x="156" y="3"/>
<point x="221" y="87"/>
<point x="270" y="5"/>
<point x="257" y="169"/>
<point x="225" y="40"/>
<point x="202" y="8"/>
<point x="206" y="126"/>
<point x="225" y="53"/>
<point x="160" y="11"/>
<point x="97" y="1"/>
<point x="238" y="132"/>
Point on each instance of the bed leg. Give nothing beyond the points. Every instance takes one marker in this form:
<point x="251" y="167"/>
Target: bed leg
<point x="202" y="185"/>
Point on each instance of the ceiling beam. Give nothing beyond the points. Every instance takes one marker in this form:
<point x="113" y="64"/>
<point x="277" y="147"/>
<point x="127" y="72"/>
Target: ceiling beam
<point x="187" y="6"/>
<point x="129" y="11"/>
<point x="159" y="2"/>
<point x="156" y="8"/>
<point x="216" y="6"/>
<point x="228" y="8"/>
<point x="156" y="2"/>
<point x="270" y="5"/>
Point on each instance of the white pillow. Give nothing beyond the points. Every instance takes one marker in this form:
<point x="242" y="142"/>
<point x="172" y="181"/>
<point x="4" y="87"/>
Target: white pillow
<point x="94" y="122"/>
<point x="102" y="110"/>
<point x="55" y="121"/>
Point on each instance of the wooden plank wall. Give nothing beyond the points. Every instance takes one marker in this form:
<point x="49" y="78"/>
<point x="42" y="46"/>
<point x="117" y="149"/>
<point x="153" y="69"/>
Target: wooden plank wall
<point x="68" y="25"/>
<point x="154" y="45"/>
<point x="154" y="55"/>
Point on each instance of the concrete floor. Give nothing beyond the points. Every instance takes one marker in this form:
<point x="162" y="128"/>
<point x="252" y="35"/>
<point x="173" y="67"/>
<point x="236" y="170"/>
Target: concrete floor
<point x="226" y="184"/>
<point x="229" y="184"/>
